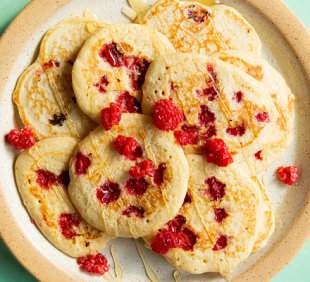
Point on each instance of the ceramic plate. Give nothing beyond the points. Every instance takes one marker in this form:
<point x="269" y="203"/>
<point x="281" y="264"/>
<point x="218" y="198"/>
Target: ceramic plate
<point x="286" y="46"/>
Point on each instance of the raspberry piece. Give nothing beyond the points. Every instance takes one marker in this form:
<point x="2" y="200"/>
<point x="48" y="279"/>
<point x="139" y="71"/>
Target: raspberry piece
<point x="100" y="88"/>
<point x="262" y="117"/>
<point x="216" y="189"/>
<point x="220" y="214"/>
<point x="108" y="192"/>
<point x="45" y="178"/>
<point x="258" y="155"/>
<point x="221" y="243"/>
<point x="96" y="264"/>
<point x="81" y="163"/>
<point x="205" y="116"/>
<point x="66" y="223"/>
<point x="238" y="96"/>
<point x="216" y="152"/>
<point x="174" y="236"/>
<point x="167" y="116"/>
<point x="159" y="174"/>
<point x="188" y="199"/>
<point x="111" y="116"/>
<point x="188" y="135"/>
<point x="236" y="131"/>
<point x="21" y="140"/>
<point x="288" y="175"/>
<point x="197" y="14"/>
<point x="104" y="80"/>
<point x="212" y="73"/>
<point x="128" y="103"/>
<point x="140" y="67"/>
<point x="128" y="147"/>
<point x="210" y="92"/>
<point x="63" y="179"/>
<point x="136" y="186"/>
<point x="144" y="168"/>
<point x="138" y="212"/>
<point x="208" y="134"/>
<point x="111" y="55"/>
<point x="50" y="64"/>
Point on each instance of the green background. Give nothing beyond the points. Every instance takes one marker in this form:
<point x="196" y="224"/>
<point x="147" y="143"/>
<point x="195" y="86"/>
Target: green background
<point x="11" y="271"/>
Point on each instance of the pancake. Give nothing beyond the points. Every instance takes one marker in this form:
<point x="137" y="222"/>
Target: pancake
<point x="222" y="211"/>
<point x="217" y="99"/>
<point x="281" y="138"/>
<point x="194" y="28"/>
<point x="44" y="93"/>
<point x="42" y="178"/>
<point x="111" y="67"/>
<point x="122" y="204"/>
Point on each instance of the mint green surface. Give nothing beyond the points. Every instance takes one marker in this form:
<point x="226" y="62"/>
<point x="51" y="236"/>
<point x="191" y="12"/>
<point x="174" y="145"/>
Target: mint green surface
<point x="11" y="271"/>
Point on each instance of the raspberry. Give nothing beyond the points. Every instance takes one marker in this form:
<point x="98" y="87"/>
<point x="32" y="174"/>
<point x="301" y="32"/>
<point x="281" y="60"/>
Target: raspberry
<point x="210" y="92"/>
<point x="45" y="178"/>
<point x="21" y="140"/>
<point x="128" y="103"/>
<point x="219" y="214"/>
<point x="81" y="163"/>
<point x="205" y="116"/>
<point x="94" y="264"/>
<point x="216" y="152"/>
<point x="197" y="15"/>
<point x="136" y="186"/>
<point x="128" y="147"/>
<point x="111" y="55"/>
<point x="144" y="168"/>
<point x="208" y="134"/>
<point x="66" y="223"/>
<point x="176" y="224"/>
<point x="108" y="192"/>
<point x="63" y="179"/>
<point x="288" y="175"/>
<point x="188" y="199"/>
<point x="216" y="189"/>
<point x="238" y="97"/>
<point x="262" y="117"/>
<point x="212" y="73"/>
<point x="50" y="64"/>
<point x="111" y="116"/>
<point x="104" y="80"/>
<point x="100" y="88"/>
<point x="258" y="155"/>
<point x="236" y="131"/>
<point x="159" y="174"/>
<point x="139" y="66"/>
<point x="167" y="116"/>
<point x="139" y="212"/>
<point x="188" y="135"/>
<point x="221" y="243"/>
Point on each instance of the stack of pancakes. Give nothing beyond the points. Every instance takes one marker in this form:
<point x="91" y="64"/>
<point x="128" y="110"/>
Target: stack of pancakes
<point x="202" y="217"/>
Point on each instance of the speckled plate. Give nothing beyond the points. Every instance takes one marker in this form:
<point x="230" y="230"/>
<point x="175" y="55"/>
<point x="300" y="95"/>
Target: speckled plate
<point x="286" y="46"/>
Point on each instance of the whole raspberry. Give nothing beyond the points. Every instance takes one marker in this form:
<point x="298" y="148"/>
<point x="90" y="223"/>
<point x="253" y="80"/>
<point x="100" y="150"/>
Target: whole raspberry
<point x="288" y="175"/>
<point x="128" y="147"/>
<point x="216" y="152"/>
<point x="21" y="140"/>
<point x="144" y="168"/>
<point x="111" y="116"/>
<point x="167" y="116"/>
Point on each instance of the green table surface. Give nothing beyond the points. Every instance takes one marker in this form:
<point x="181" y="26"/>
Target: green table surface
<point x="10" y="269"/>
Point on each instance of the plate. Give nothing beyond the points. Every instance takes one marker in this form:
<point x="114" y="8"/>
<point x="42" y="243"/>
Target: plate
<point x="286" y="45"/>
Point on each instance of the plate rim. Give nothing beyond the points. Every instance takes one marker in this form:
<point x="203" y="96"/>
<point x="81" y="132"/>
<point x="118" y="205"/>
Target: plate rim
<point x="295" y="33"/>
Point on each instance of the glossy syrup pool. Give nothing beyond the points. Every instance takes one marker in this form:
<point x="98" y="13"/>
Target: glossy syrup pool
<point x="287" y="202"/>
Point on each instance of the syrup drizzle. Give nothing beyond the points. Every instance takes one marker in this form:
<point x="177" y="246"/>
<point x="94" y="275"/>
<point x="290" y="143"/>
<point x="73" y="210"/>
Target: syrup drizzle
<point x="265" y="180"/>
<point x="117" y="268"/>
<point x="150" y="273"/>
<point x="207" y="2"/>
<point x="177" y="276"/>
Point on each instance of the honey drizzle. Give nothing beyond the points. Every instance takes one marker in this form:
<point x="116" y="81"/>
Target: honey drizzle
<point x="117" y="268"/>
<point x="177" y="276"/>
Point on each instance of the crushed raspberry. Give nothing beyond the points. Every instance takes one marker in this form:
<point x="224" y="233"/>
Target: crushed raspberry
<point x="21" y="140"/>
<point x="64" y="179"/>
<point x="262" y="117"/>
<point x="66" y="223"/>
<point x="216" y="152"/>
<point x="236" y="131"/>
<point x="111" y="55"/>
<point x="45" y="178"/>
<point x="197" y="15"/>
<point x="111" y="116"/>
<point x="159" y="174"/>
<point x="104" y="80"/>
<point x="174" y="236"/>
<point x="136" y="186"/>
<point x="238" y="96"/>
<point x="96" y="264"/>
<point x="139" y="68"/>
<point x="167" y="116"/>
<point x="128" y="147"/>
<point x="138" y="212"/>
<point x="188" y="199"/>
<point x="128" y="103"/>
<point x="100" y="88"/>
<point x="50" y="64"/>
<point x="220" y="214"/>
<point x="221" y="243"/>
<point x="188" y="135"/>
<point x="258" y="155"/>
<point x="208" y="134"/>
<point x="210" y="92"/>
<point x="81" y="163"/>
<point x="205" y="116"/>
<point x="144" y="168"/>
<point x="216" y="189"/>
<point x="108" y="192"/>
<point x="32" y="221"/>
<point x="212" y="74"/>
<point x="288" y="175"/>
